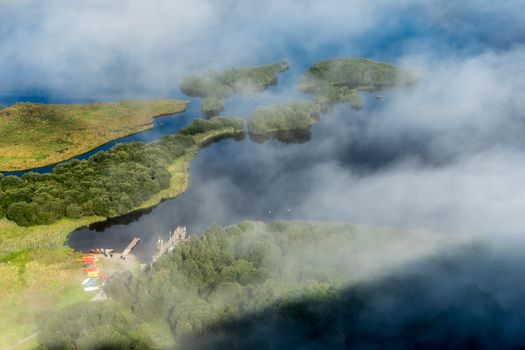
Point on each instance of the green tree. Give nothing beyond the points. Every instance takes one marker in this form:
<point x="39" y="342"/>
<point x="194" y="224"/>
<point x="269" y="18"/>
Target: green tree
<point x="23" y="213"/>
<point x="91" y="325"/>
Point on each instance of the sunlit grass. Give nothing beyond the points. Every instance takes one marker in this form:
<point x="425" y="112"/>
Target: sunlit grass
<point x="34" y="135"/>
<point x="15" y="238"/>
<point x="33" y="281"/>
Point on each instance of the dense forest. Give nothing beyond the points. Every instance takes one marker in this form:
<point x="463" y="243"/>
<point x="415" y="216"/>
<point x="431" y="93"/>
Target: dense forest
<point x="295" y="115"/>
<point x="234" y="272"/>
<point x="107" y="184"/>
<point x="438" y="303"/>
<point x="222" y="84"/>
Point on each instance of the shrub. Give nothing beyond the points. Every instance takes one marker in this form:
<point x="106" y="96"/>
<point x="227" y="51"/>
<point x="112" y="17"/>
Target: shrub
<point x="23" y="213"/>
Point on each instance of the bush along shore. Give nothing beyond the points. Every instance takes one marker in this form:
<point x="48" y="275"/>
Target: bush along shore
<point x="212" y="106"/>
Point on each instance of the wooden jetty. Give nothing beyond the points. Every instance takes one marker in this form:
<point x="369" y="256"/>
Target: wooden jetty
<point x="103" y="251"/>
<point x="177" y="236"/>
<point x="130" y="247"/>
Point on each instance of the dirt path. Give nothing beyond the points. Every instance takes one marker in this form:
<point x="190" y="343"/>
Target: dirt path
<point x="21" y="342"/>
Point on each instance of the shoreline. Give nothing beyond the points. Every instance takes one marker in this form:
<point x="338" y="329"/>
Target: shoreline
<point x="268" y="132"/>
<point x="137" y="130"/>
<point x="55" y="235"/>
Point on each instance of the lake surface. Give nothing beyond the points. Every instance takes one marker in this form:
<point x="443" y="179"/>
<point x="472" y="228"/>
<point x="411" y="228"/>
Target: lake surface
<point x="249" y="179"/>
<point x="245" y="179"/>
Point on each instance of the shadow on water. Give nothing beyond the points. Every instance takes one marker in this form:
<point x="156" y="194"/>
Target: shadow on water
<point x="287" y="137"/>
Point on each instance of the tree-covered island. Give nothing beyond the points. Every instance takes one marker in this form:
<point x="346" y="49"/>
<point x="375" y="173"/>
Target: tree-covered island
<point x="340" y="80"/>
<point x="214" y="86"/>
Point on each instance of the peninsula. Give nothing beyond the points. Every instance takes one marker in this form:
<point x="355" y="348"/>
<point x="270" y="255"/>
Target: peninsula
<point x="35" y="135"/>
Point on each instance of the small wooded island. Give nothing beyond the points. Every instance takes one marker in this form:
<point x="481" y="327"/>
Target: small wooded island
<point x="330" y="82"/>
<point x="34" y="135"/>
<point x="340" y="80"/>
<point x="214" y="86"/>
<point x="295" y="115"/>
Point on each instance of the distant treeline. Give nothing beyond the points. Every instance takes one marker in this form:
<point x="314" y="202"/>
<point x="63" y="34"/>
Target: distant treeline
<point x="229" y="82"/>
<point x="107" y="184"/>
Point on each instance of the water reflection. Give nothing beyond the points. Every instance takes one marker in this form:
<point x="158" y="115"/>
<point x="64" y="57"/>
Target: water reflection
<point x="288" y="137"/>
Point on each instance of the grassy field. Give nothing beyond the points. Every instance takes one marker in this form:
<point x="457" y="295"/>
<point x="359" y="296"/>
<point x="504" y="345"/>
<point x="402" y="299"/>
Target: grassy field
<point x="38" y="272"/>
<point x="34" y="135"/>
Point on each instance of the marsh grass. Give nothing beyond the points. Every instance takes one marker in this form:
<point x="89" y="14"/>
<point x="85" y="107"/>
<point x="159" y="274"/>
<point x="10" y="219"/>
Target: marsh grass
<point x="34" y="135"/>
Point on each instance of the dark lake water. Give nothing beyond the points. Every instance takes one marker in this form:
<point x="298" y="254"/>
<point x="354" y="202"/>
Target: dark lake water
<point x="237" y="179"/>
<point x="246" y="178"/>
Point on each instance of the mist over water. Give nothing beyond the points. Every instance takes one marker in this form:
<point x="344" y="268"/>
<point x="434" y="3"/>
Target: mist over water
<point x="446" y="155"/>
<point x="246" y="178"/>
